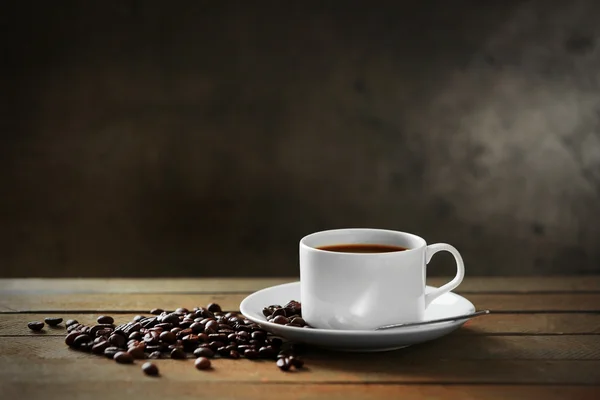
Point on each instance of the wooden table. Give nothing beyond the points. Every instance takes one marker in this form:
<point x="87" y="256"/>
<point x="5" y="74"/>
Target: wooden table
<point x="542" y="342"/>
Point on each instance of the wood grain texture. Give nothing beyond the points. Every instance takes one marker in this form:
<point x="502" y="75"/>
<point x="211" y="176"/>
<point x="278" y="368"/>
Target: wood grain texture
<point x="493" y="324"/>
<point x="237" y="285"/>
<point x="143" y="302"/>
<point x="451" y="347"/>
<point x="160" y="388"/>
<point x="361" y="368"/>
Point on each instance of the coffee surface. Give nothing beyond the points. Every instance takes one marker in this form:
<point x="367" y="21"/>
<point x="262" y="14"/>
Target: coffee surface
<point x="362" y="248"/>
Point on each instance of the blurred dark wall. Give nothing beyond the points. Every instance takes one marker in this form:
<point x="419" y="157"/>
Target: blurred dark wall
<point x="207" y="137"/>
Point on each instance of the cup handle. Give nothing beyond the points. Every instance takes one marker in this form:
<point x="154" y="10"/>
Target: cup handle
<point x="460" y="270"/>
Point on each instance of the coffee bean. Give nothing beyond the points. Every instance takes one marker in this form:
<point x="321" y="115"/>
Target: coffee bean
<point x="278" y="312"/>
<point x="171" y="318"/>
<point x="149" y="322"/>
<point x="234" y="354"/>
<point x="258" y="335"/>
<point x="204" y="352"/>
<point x="266" y="352"/>
<point x="53" y="321"/>
<point x="154" y="355"/>
<point x="184" y="332"/>
<point x="182" y="310"/>
<point x="202" y="363"/>
<point x="137" y="352"/>
<point x="82" y="339"/>
<point x="251" y="354"/>
<point x="231" y="346"/>
<point x="35" y="326"/>
<point x="99" y="347"/>
<point x="197" y="327"/>
<point x="218" y="337"/>
<point x="275" y="342"/>
<point x="164" y="326"/>
<point x="105" y="319"/>
<point x="185" y="324"/>
<point x="133" y="343"/>
<point x="281" y="320"/>
<point x="297" y="362"/>
<point x="135" y="336"/>
<point x="111" y="351"/>
<point x="168" y="337"/>
<point x="71" y="322"/>
<point x="156" y="311"/>
<point x="117" y="340"/>
<point x="122" y="357"/>
<point x="298" y="321"/>
<point x="150" y="369"/>
<point x="214" y="307"/>
<point x="215" y="345"/>
<point x="70" y="338"/>
<point x="138" y="318"/>
<point x="178" y="354"/>
<point x="232" y="337"/>
<point x="284" y="364"/>
<point x="211" y="325"/>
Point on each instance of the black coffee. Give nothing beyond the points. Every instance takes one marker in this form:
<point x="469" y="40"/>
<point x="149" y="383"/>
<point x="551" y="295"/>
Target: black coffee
<point x="362" y="248"/>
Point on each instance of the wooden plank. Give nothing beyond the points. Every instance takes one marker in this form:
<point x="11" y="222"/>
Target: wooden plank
<point x="160" y="389"/>
<point x="356" y="368"/>
<point x="248" y="285"/>
<point x="450" y="347"/>
<point x="494" y="324"/>
<point x="142" y="302"/>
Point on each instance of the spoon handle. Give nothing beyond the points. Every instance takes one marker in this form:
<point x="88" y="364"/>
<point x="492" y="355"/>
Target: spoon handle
<point x="455" y="318"/>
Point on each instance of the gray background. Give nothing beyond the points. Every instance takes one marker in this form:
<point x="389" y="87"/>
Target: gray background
<point x="205" y="138"/>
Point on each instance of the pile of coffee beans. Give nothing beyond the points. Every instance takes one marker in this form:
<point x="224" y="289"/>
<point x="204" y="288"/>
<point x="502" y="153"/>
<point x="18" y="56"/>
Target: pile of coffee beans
<point x="289" y="315"/>
<point x="203" y="332"/>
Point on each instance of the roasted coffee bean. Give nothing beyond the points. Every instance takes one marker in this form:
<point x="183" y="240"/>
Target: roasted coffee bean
<point x="234" y="354"/>
<point x="154" y="355"/>
<point x="105" y="319"/>
<point x="156" y="311"/>
<point x="243" y="335"/>
<point x="222" y="351"/>
<point x="98" y="330"/>
<point x="258" y="335"/>
<point x="185" y="324"/>
<point x="296" y="361"/>
<point x="215" y="345"/>
<point x="149" y="322"/>
<point x="203" y="337"/>
<point x="81" y="339"/>
<point x="267" y="311"/>
<point x="135" y="336"/>
<point x="232" y="337"/>
<point x="278" y="312"/>
<point x="156" y="330"/>
<point x="154" y="348"/>
<point x="132" y="343"/>
<point x="243" y="347"/>
<point x="184" y="333"/>
<point x="202" y="363"/>
<point x="85" y="347"/>
<point x="251" y="354"/>
<point x="70" y="338"/>
<point x="231" y="347"/>
<point x="166" y="326"/>
<point x="71" y="322"/>
<point x="197" y="327"/>
<point x="256" y="343"/>
<point x="176" y="330"/>
<point x="178" y="354"/>
<point x="298" y="321"/>
<point x="138" y="318"/>
<point x="122" y="357"/>
<point x="117" y="340"/>
<point x="284" y="364"/>
<point x="275" y="342"/>
<point x="204" y="352"/>
<point x="150" y="369"/>
<point x="211" y="325"/>
<point x="182" y="310"/>
<point x="35" y="326"/>
<point x="53" y="321"/>
<point x="111" y="351"/>
<point x="219" y="337"/>
<point x="172" y="319"/>
<point x="137" y="352"/>
<point x="214" y="307"/>
<point x="266" y="352"/>
<point x="99" y="347"/>
<point x="168" y="337"/>
<point x="281" y="320"/>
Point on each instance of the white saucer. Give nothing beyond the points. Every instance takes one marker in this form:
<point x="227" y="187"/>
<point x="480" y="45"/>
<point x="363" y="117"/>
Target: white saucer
<point x="447" y="305"/>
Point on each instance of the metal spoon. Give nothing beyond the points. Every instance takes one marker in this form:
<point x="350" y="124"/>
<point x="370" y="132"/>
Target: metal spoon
<point x="455" y="318"/>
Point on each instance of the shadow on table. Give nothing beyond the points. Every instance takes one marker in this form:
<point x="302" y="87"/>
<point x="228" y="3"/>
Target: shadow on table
<point x="454" y="358"/>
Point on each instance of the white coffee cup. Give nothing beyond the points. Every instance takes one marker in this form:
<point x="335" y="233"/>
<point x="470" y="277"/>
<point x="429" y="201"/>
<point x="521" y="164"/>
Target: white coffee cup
<point x="366" y="290"/>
